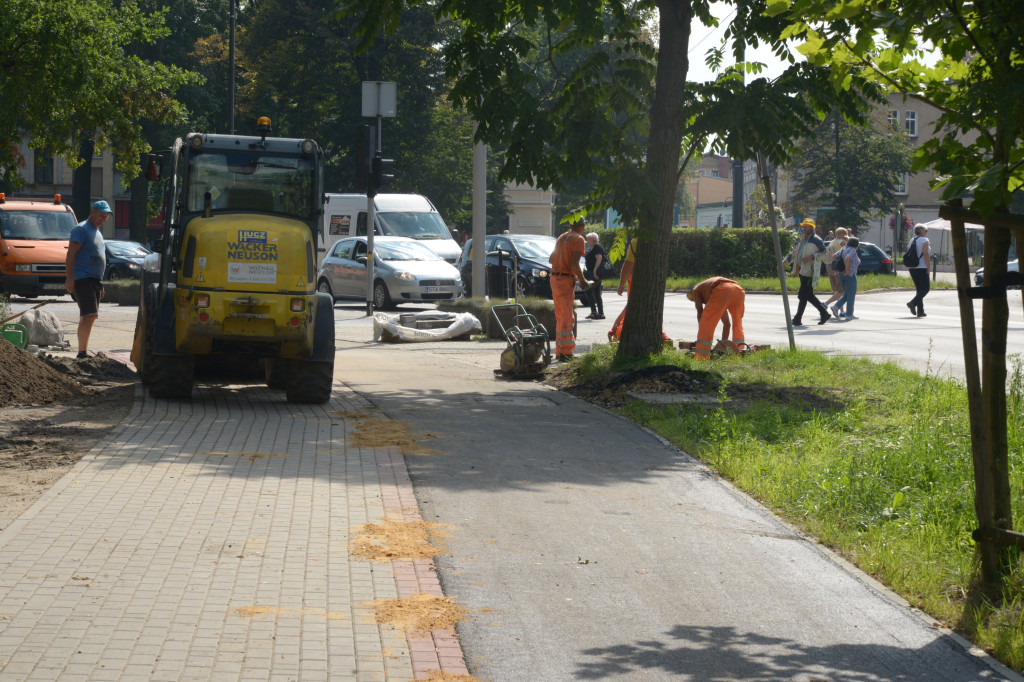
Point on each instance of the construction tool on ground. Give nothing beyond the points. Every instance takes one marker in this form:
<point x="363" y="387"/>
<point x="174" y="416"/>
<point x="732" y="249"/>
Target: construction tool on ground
<point x="724" y="347"/>
<point x="529" y="348"/>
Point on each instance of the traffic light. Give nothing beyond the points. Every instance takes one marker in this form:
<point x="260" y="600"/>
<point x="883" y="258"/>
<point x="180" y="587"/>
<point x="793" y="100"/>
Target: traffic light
<point x="365" y="149"/>
<point x="383" y="173"/>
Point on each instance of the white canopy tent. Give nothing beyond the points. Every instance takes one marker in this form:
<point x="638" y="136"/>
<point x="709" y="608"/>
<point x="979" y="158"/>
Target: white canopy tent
<point x="942" y="226"/>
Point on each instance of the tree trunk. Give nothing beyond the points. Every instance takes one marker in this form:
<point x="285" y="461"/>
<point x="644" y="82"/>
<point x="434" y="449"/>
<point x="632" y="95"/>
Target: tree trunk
<point x="81" y="178"/>
<point x="994" y="320"/>
<point x="641" y="333"/>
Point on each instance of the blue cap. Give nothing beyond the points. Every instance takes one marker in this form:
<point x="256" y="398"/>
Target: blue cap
<point x="102" y="205"/>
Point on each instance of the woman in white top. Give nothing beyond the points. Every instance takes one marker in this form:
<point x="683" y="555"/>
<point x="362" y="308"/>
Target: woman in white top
<point x="919" y="273"/>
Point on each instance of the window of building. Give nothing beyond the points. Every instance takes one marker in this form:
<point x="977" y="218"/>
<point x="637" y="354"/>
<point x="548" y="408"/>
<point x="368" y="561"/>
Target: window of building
<point x="43" y="168"/>
<point x="910" y="119"/>
<point x="894" y="117"/>
<point x="713" y="172"/>
<point x="901" y="186"/>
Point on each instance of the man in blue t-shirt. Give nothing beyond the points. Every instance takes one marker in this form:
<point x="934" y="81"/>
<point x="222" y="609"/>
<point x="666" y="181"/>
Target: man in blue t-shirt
<point x="85" y="264"/>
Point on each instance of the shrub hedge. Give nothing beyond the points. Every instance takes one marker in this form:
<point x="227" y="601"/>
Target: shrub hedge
<point x="746" y="252"/>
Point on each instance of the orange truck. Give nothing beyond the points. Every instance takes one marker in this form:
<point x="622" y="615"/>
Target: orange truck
<point x="34" y="246"/>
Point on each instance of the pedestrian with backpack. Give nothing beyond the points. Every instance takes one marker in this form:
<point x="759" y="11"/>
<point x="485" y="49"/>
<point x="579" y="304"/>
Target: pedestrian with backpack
<point x="849" y="262"/>
<point x="918" y="260"/>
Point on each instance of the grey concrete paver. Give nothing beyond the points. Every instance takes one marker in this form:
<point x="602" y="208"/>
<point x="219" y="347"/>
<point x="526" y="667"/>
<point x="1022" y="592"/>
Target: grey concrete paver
<point x="203" y="540"/>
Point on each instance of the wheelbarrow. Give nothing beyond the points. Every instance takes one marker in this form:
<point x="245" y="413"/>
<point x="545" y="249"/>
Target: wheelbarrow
<point x="529" y="348"/>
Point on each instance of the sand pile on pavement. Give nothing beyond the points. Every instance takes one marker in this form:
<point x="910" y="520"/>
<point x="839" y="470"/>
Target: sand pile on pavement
<point x="419" y="614"/>
<point x="392" y="539"/>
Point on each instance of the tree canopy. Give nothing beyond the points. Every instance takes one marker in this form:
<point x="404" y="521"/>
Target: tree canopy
<point x="963" y="57"/>
<point x="68" y="69"/>
<point x="851" y="169"/>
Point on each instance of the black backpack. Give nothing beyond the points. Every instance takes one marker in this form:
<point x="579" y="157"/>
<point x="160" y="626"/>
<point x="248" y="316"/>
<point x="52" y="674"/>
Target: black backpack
<point x="838" y="262"/>
<point x="910" y="258"/>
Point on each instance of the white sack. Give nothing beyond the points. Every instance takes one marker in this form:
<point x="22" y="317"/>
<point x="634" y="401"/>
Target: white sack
<point x="387" y="328"/>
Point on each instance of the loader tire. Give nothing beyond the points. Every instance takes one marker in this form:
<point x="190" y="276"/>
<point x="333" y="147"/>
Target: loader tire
<point x="170" y="376"/>
<point x="309" y="381"/>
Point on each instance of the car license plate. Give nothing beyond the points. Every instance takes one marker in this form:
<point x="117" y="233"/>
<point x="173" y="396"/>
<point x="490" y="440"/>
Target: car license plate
<point x="439" y="290"/>
<point x="54" y="286"/>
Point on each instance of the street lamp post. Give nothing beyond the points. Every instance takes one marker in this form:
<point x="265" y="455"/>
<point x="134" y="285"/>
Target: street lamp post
<point x="232" y="14"/>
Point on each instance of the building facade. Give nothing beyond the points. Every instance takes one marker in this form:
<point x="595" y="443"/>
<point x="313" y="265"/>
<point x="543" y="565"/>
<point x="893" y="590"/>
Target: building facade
<point x="46" y="175"/>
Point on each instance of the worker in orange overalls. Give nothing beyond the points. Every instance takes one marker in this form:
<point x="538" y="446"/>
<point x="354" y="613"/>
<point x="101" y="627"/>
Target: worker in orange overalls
<point x="717" y="299"/>
<point x="565" y="272"/>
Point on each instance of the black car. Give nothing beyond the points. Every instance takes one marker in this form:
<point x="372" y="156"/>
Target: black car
<point x="530" y="251"/>
<point x="124" y="259"/>
<point x="872" y="259"/>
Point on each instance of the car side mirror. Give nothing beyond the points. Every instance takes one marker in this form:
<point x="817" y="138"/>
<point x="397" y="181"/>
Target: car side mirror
<point x="361" y="260"/>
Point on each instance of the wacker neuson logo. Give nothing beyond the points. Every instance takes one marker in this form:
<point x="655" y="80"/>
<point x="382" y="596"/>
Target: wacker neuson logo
<point x="252" y="246"/>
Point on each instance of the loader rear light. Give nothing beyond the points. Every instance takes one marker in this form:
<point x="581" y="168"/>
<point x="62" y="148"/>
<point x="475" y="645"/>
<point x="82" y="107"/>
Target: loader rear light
<point x="204" y="317"/>
<point x="298" y="305"/>
<point x="294" y="322"/>
<point x="202" y="301"/>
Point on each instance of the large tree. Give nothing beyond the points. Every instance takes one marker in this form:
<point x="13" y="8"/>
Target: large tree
<point x="619" y="113"/>
<point x="853" y="169"/>
<point x="71" y="80"/>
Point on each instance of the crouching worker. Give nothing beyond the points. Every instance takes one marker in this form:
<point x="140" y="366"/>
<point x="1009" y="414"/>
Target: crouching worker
<point x="717" y="299"/>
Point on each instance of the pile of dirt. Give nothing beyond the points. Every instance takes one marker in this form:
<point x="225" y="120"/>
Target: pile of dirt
<point x="95" y="369"/>
<point x="610" y="390"/>
<point x="27" y="380"/>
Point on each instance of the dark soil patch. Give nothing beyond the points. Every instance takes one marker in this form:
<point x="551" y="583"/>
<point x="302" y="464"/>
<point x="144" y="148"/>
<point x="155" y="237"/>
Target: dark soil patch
<point x="610" y="391"/>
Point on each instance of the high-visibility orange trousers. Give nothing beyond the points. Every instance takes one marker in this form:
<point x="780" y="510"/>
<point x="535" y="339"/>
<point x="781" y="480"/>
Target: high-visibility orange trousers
<point x="726" y="296"/>
<point x="562" y="292"/>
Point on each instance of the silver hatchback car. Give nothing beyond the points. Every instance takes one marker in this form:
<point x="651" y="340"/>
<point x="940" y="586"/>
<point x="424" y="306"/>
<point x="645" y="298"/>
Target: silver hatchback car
<point x="404" y="271"/>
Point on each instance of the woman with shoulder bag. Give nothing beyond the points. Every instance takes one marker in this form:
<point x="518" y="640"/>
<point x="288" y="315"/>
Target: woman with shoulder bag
<point x="596" y="255"/>
<point x="848" y="272"/>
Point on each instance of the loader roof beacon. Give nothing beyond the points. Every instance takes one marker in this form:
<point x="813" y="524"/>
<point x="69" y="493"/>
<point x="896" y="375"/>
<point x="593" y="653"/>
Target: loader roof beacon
<point x="233" y="279"/>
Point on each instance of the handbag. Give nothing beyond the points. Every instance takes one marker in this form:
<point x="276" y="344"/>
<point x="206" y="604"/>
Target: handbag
<point x="605" y="270"/>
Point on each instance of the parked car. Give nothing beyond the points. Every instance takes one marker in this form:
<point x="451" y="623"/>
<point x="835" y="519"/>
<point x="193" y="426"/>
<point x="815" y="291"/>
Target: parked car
<point x="1011" y="266"/>
<point x="405" y="271"/>
<point x="872" y="259"/>
<point x="124" y="259"/>
<point x="532" y="252"/>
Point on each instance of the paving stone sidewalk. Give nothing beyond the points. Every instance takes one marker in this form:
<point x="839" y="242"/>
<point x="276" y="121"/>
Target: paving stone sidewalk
<point x="208" y="540"/>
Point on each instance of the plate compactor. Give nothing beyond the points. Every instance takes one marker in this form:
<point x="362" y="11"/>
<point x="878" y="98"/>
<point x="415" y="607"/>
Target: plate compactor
<point x="529" y="348"/>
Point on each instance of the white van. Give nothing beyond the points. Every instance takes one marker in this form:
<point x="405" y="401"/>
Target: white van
<point x="397" y="215"/>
